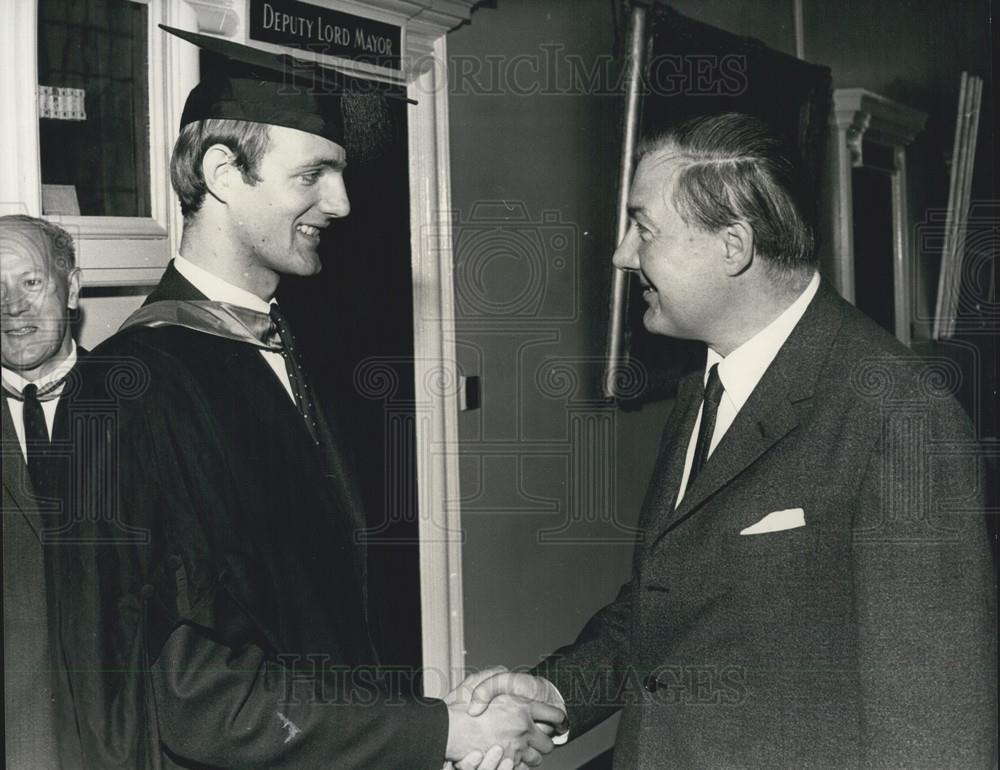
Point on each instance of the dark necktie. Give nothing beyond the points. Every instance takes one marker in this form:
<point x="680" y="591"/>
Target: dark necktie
<point x="300" y="386"/>
<point x="709" y="411"/>
<point x="36" y="439"/>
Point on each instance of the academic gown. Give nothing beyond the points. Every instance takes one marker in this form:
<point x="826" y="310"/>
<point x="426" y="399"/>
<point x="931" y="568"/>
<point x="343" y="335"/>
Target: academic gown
<point x="223" y="573"/>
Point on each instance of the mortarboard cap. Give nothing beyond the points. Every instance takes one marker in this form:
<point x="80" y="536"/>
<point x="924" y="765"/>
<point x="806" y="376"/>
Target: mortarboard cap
<point x="246" y="83"/>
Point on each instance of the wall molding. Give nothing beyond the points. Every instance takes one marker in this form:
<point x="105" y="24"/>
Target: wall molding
<point x="860" y="116"/>
<point x="21" y="181"/>
<point x="435" y="360"/>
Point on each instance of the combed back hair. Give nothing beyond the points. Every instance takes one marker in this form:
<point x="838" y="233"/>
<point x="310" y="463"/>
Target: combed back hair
<point x="61" y="252"/>
<point x="732" y="167"/>
<point x="247" y="141"/>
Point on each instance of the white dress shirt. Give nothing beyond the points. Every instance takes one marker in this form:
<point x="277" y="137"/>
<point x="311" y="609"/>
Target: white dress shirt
<point x="218" y="290"/>
<point x="15" y="382"/>
<point x="742" y="369"/>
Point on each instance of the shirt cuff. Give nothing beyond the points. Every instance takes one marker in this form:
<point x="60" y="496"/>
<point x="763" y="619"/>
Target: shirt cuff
<point x="561" y="738"/>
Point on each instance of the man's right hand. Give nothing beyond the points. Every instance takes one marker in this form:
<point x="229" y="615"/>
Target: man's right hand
<point x="509" y="722"/>
<point x="523" y="685"/>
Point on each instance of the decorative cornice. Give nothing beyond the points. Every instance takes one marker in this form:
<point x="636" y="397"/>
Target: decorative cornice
<point x="443" y="14"/>
<point x="885" y="121"/>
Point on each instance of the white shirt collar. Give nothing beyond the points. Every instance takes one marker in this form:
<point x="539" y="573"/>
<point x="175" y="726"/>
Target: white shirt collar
<point x="217" y="289"/>
<point x="743" y="368"/>
<point x="16" y="382"/>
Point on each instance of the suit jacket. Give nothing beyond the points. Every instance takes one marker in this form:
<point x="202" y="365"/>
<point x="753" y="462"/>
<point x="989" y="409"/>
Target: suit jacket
<point x="38" y="724"/>
<point x="224" y="580"/>
<point x="864" y="638"/>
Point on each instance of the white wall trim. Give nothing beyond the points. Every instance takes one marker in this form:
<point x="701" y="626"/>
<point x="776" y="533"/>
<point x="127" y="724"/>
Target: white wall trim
<point x="20" y="182"/>
<point x="435" y="371"/>
<point x="111" y="228"/>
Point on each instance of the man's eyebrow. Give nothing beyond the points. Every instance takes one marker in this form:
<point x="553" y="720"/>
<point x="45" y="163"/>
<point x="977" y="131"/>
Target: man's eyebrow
<point x="337" y="164"/>
<point x="33" y="270"/>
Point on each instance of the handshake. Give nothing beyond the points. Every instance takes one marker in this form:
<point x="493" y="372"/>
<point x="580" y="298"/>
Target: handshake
<point x="501" y="720"/>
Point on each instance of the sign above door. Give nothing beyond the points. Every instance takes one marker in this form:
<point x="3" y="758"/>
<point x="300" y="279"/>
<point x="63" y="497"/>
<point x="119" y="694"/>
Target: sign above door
<point x="325" y="31"/>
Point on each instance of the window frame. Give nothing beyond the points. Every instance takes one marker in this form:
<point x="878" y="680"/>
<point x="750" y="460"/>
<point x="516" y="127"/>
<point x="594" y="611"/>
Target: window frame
<point x="114" y="251"/>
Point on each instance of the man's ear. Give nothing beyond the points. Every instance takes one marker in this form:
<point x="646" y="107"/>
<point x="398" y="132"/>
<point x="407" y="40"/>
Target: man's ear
<point x="73" y="289"/>
<point x="218" y="169"/>
<point x="738" y="241"/>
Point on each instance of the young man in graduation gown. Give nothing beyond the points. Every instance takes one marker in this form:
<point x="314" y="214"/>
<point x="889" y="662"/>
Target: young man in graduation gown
<point x="228" y="587"/>
<point x="41" y="289"/>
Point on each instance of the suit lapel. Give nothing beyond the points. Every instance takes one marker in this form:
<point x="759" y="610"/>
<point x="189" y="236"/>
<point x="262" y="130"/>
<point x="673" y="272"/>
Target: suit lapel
<point x="16" y="482"/>
<point x="771" y="413"/>
<point x="673" y="448"/>
<point x="766" y="418"/>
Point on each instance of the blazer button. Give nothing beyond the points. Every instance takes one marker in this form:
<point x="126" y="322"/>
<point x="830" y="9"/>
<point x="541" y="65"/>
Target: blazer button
<point x="147" y="591"/>
<point x="651" y="683"/>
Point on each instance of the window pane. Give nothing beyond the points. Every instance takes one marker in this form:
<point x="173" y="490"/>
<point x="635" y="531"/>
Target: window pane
<point x="94" y="142"/>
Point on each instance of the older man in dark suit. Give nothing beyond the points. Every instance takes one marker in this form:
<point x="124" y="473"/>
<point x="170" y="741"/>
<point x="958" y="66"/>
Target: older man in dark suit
<point x="41" y="287"/>
<point x="814" y="585"/>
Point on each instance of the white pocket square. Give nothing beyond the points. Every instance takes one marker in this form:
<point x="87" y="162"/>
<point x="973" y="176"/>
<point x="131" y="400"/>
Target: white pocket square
<point x="790" y="518"/>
